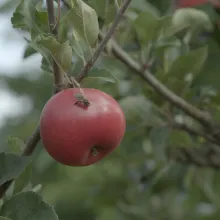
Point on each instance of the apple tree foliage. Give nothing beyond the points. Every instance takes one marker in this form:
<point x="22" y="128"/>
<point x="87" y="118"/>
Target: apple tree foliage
<point x="141" y="179"/>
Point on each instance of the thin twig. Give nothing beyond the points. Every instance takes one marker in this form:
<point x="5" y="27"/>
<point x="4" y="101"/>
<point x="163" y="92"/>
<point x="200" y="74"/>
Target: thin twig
<point x="186" y="127"/>
<point x="201" y="116"/>
<point x="32" y="142"/>
<point x="192" y="155"/>
<point x="104" y="41"/>
<point x="190" y="130"/>
<point x="58" y="16"/>
<point x="52" y="17"/>
<point x="29" y="148"/>
<point x="58" y="76"/>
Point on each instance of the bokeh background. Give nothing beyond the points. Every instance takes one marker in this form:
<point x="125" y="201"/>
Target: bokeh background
<point x="136" y="182"/>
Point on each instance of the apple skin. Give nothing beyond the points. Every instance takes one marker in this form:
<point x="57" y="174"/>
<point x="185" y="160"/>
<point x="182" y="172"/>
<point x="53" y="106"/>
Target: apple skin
<point x="190" y="3"/>
<point x="194" y="3"/>
<point x="69" y="131"/>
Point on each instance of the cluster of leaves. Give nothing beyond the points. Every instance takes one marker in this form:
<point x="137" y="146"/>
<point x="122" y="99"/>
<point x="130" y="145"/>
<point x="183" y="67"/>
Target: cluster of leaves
<point x="137" y="181"/>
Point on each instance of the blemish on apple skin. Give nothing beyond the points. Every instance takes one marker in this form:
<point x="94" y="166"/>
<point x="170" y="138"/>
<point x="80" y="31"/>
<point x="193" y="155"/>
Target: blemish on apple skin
<point x="82" y="105"/>
<point x="94" y="151"/>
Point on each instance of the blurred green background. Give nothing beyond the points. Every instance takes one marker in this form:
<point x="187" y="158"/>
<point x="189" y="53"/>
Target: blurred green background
<point x="137" y="181"/>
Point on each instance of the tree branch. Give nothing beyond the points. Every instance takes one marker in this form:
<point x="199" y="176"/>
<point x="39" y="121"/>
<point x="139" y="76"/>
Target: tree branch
<point x="195" y="156"/>
<point x="104" y="41"/>
<point x="58" y="76"/>
<point x="193" y="131"/>
<point x="201" y="116"/>
<point x="186" y="127"/>
<point x="29" y="148"/>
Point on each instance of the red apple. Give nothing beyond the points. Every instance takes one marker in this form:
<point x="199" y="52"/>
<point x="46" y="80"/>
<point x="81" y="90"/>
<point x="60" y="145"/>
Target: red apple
<point x="78" y="135"/>
<point x="190" y="3"/>
<point x="215" y="3"/>
<point x="194" y="3"/>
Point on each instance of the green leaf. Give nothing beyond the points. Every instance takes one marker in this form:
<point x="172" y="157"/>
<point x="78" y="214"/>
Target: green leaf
<point x="40" y="17"/>
<point x="46" y="62"/>
<point x="29" y="51"/>
<point x="11" y="166"/>
<point x="46" y="65"/>
<point x="210" y="71"/>
<point x="103" y="75"/>
<point x="99" y="5"/>
<point x="77" y="46"/>
<point x="159" y="137"/>
<point x="84" y="21"/>
<point x="191" y="17"/>
<point x="179" y="86"/>
<point x="22" y="17"/>
<point x="192" y="62"/>
<point x="37" y="188"/>
<point x="188" y="178"/>
<point x="163" y="44"/>
<point x="149" y="26"/>
<point x="140" y="110"/>
<point x="28" y="205"/>
<point x="48" y="45"/>
<point x="3" y="218"/>
<point x="142" y="5"/>
<point x="108" y="213"/>
<point x="15" y="144"/>
<point x="29" y="17"/>
<point x="165" y="23"/>
<point x="146" y="26"/>
<point x="102" y="78"/>
<point x="180" y="138"/>
<point x="41" y="7"/>
<point x="104" y="9"/>
<point x="23" y="180"/>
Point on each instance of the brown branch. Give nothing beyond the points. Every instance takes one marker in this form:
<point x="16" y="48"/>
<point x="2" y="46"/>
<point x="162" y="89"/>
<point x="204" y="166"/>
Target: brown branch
<point x="104" y="41"/>
<point x="58" y="16"/>
<point x="195" y="156"/>
<point x="58" y="76"/>
<point x="186" y="127"/>
<point x="29" y="148"/>
<point x="194" y="131"/>
<point x="201" y="116"/>
<point x="4" y="187"/>
<point x="51" y="17"/>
